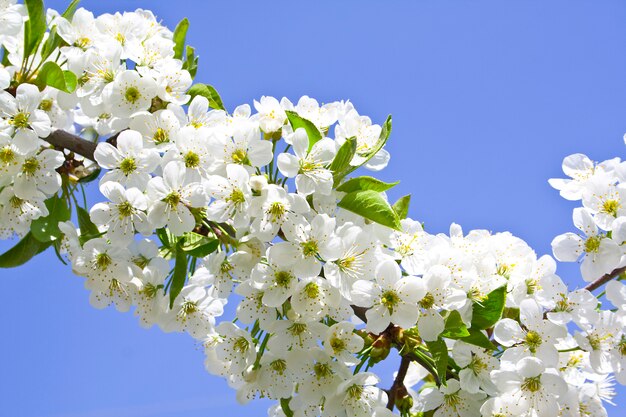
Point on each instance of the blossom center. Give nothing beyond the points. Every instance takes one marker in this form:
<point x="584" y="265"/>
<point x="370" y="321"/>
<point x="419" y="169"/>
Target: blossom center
<point x="172" y="200"/>
<point x="149" y="290"/>
<point x="477" y="365"/>
<point x="322" y="370"/>
<point x="312" y="290"/>
<point x="82" y="42"/>
<point x="125" y="209"/>
<point x="309" y="248"/>
<point x="236" y="196"/>
<point x="103" y="260"/>
<point x="452" y="400"/>
<point x="611" y="207"/>
<point x="241" y="345"/>
<point x="504" y="271"/>
<point x="592" y="244"/>
<point x="7" y="155"/>
<point x="283" y="278"/>
<point x="337" y="344"/>
<point x="45" y="105"/>
<point x="30" y="166"/>
<point x="106" y="75"/>
<point x="160" y="136"/>
<point x="279" y="366"/>
<point x="16" y="202"/>
<point x="276" y="210"/>
<point x="562" y="305"/>
<point x="128" y="165"/>
<point x="188" y="307"/>
<point x="192" y="160"/>
<point x="20" y="120"/>
<point x="428" y="301"/>
<point x="306" y="166"/>
<point x="533" y="340"/>
<point x="532" y="384"/>
<point x="120" y="38"/>
<point x="355" y="391"/>
<point x="240" y="156"/>
<point x="297" y="329"/>
<point x="132" y="94"/>
<point x="532" y="286"/>
<point x="390" y="299"/>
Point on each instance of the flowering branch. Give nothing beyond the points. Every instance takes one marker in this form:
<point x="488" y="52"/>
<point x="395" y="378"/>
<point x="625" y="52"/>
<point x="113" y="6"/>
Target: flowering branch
<point x="195" y="201"/>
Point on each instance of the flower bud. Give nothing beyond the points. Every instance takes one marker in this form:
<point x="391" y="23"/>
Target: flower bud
<point x="380" y="348"/>
<point x="258" y="183"/>
<point x="404" y="401"/>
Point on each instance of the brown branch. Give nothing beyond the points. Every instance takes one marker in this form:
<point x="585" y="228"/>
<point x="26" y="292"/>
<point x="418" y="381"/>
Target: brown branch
<point x="76" y="144"/>
<point x="605" y="278"/>
<point x="398" y="383"/>
<point x="360" y="312"/>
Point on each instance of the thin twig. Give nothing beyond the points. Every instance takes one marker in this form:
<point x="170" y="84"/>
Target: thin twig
<point x="398" y="383"/>
<point x="605" y="278"/>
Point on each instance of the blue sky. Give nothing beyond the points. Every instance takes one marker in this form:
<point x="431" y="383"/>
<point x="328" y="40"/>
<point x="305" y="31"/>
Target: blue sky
<point x="487" y="98"/>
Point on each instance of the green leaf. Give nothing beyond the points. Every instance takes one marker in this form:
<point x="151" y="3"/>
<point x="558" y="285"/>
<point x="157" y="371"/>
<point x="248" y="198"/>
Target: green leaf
<point x="284" y="405"/>
<point x="372" y="206"/>
<point x="23" y="251"/>
<point x="478" y="338"/>
<point x="191" y="61"/>
<point x="366" y="183"/>
<point x="54" y="40"/>
<point x="35" y="26"/>
<point x="401" y="207"/>
<point x="439" y="352"/>
<point x="454" y="327"/>
<point x="180" y="272"/>
<point x="180" y="33"/>
<point x="198" y="245"/>
<point x="51" y="74"/>
<point x="88" y="230"/>
<point x="164" y="237"/>
<point x="70" y="81"/>
<point x="215" y="101"/>
<point x="46" y="229"/>
<point x="311" y="130"/>
<point x="341" y="164"/>
<point x="487" y="312"/>
<point x="71" y="9"/>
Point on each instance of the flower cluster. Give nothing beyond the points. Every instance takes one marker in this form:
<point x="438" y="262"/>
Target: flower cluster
<point x="261" y="208"/>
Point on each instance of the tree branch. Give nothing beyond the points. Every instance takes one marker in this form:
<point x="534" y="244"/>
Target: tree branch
<point x="605" y="278"/>
<point x="360" y="312"/>
<point x="398" y="383"/>
<point x="76" y="144"/>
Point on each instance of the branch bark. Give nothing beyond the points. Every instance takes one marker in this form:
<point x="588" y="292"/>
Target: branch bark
<point x="76" y="144"/>
<point x="71" y="142"/>
<point x="605" y="278"/>
<point x="398" y="383"/>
